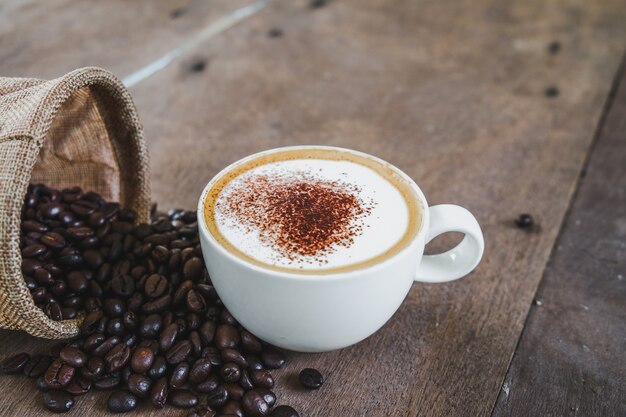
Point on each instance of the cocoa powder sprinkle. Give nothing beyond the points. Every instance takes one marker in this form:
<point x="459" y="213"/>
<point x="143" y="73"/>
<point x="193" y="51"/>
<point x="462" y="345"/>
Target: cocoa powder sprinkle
<point x="300" y="216"/>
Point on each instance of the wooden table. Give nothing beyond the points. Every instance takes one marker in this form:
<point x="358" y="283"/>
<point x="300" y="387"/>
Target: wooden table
<point x="501" y="106"/>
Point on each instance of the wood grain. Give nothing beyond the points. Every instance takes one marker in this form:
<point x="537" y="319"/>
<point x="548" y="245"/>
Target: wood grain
<point x="570" y="359"/>
<point x="48" y="39"/>
<point x="454" y="94"/>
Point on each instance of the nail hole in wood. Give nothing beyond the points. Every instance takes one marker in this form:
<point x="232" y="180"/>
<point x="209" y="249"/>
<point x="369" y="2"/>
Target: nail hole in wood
<point x="554" y="47"/>
<point x="552" y="92"/>
<point x="316" y="4"/>
<point x="275" y="33"/>
<point x="176" y="13"/>
<point x="197" y="66"/>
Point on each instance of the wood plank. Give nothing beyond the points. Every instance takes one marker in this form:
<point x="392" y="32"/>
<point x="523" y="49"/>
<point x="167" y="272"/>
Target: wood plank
<point x="570" y="359"/>
<point x="48" y="39"/>
<point x="453" y="94"/>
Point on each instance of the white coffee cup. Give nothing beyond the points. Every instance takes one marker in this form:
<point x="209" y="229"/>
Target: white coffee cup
<point x="315" y="313"/>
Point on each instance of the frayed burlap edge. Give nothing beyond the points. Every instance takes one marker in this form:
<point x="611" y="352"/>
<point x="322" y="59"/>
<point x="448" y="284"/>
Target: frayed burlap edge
<point x="27" y="110"/>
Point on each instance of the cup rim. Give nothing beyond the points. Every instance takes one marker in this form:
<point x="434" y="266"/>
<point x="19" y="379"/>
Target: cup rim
<point x="202" y="227"/>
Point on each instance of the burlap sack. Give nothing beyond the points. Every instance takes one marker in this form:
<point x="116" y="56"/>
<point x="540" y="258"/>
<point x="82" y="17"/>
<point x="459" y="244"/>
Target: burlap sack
<point x="81" y="129"/>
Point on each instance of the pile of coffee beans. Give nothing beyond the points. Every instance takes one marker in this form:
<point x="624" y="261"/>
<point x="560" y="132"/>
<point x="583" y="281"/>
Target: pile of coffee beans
<point x="154" y="330"/>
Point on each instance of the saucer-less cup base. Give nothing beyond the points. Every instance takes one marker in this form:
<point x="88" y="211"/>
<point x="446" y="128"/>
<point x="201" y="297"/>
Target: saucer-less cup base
<point x="315" y="313"/>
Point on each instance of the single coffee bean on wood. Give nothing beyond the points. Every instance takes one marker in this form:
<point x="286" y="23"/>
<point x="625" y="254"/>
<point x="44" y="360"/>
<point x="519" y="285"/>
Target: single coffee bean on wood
<point x="311" y="378"/>
<point x="15" y="363"/>
<point x="58" y="401"/>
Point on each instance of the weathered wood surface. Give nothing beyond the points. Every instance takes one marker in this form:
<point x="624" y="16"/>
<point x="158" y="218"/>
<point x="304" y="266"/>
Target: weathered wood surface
<point x="47" y="40"/>
<point x="571" y="357"/>
<point x="452" y="93"/>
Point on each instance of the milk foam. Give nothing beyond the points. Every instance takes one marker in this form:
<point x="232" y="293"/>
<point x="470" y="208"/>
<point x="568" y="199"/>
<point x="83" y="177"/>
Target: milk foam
<point x="384" y="225"/>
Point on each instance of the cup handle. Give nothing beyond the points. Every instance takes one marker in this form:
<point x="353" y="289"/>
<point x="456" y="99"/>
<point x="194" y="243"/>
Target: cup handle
<point x="460" y="260"/>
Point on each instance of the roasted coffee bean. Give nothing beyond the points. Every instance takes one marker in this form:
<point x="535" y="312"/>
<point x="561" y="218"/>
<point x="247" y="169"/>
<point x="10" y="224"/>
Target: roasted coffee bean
<point x="117" y="357"/>
<point x="77" y="281"/>
<point x="34" y="226"/>
<point x="139" y="385"/>
<point x="262" y="379"/>
<point x="193" y="268"/>
<point x="15" y="363"/>
<point x="218" y="397"/>
<point x="254" y="362"/>
<point x="273" y="358"/>
<point x="524" y="221"/>
<point x="235" y="391"/>
<point x="183" y="398"/>
<point x="158" y="368"/>
<point x="113" y="307"/>
<point x="227" y="318"/>
<point x="93" y="369"/>
<point x="58" y="374"/>
<point x="142" y="359"/>
<point x="69" y="313"/>
<point x="115" y="327"/>
<point x="53" y="310"/>
<point x="106" y="346"/>
<point x="43" y="277"/>
<point x="226" y="336"/>
<point x="157" y="305"/>
<point x="93" y="341"/>
<point x="269" y="396"/>
<point x="254" y="404"/>
<point x="150" y="326"/>
<point x="150" y="343"/>
<point x="53" y="240"/>
<point x="250" y="343"/>
<point x="207" y="332"/>
<point x="311" y="378"/>
<point x="41" y="385"/>
<point x="196" y="343"/>
<point x="155" y="286"/>
<point x="244" y="381"/>
<point x="159" y="393"/>
<point x="193" y="321"/>
<point x="195" y="301"/>
<point x="58" y="401"/>
<point x="233" y="355"/>
<point x="30" y="265"/>
<point x="130" y="340"/>
<point x="130" y="320"/>
<point x="160" y="254"/>
<point x="179" y="352"/>
<point x="79" y="233"/>
<point x="284" y="411"/>
<point x="92" y="258"/>
<point x="232" y="408"/>
<point x="122" y="401"/>
<point x="208" y="385"/>
<point x="34" y="251"/>
<point x="230" y="372"/>
<point x="108" y="382"/>
<point x="36" y="365"/>
<point x="212" y="355"/>
<point x="202" y="411"/>
<point x="30" y="283"/>
<point x="123" y="285"/>
<point x="200" y="371"/>
<point x="78" y="386"/>
<point x="179" y="376"/>
<point x="73" y="356"/>
<point x="181" y="292"/>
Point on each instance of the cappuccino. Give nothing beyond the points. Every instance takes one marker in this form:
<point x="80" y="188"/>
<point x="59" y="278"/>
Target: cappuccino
<point x="312" y="210"/>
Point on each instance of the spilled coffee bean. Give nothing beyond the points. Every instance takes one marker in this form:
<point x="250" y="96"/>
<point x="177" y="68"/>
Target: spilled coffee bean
<point x="311" y="378"/>
<point x="154" y="330"/>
